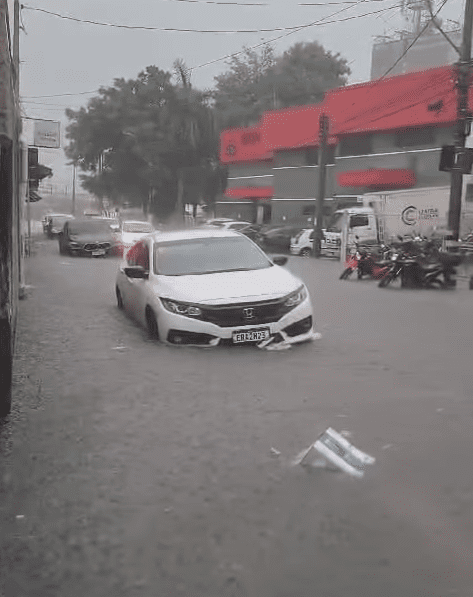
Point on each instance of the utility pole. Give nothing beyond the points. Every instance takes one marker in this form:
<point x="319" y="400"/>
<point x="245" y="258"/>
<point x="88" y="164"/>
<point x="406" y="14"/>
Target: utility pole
<point x="322" y="174"/>
<point x="74" y="188"/>
<point x="463" y="124"/>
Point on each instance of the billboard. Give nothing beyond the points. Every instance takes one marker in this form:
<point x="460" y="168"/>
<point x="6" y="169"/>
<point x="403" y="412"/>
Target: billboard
<point x="47" y="134"/>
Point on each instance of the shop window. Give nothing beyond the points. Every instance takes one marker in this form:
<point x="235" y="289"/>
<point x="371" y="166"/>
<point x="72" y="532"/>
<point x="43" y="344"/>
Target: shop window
<point x="309" y="211"/>
<point x="312" y="155"/>
<point x="412" y="137"/>
<point x="356" y="145"/>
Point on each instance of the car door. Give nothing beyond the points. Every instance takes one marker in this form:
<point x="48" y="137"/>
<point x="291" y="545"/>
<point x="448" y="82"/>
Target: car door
<point x="134" y="289"/>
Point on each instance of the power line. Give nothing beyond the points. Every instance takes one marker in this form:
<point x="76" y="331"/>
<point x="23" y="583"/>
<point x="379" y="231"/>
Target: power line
<point x="175" y="29"/>
<point x="337" y="3"/>
<point x="224" y="3"/>
<point x="61" y="94"/>
<point x="421" y="32"/>
<point x="321" y="21"/>
<point x="268" y="41"/>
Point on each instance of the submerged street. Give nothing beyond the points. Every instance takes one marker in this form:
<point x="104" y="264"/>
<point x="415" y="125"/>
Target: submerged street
<point x="130" y="468"/>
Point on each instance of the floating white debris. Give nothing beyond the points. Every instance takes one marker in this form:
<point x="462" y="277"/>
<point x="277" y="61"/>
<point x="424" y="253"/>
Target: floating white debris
<point x="337" y="451"/>
<point x="275" y="452"/>
<point x="288" y="341"/>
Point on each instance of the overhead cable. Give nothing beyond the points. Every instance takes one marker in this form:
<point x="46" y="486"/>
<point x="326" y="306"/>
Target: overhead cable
<point x="181" y="30"/>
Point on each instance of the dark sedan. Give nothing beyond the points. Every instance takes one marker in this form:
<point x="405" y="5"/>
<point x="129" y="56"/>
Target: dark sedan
<point x="86" y="237"/>
<point x="278" y="238"/>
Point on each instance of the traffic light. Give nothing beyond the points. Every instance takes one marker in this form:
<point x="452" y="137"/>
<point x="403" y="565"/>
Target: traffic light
<point x="447" y="158"/>
<point x="460" y="160"/>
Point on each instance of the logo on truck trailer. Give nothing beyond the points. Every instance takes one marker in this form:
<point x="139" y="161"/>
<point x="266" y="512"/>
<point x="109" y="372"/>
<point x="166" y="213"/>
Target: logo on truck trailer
<point x="412" y="216"/>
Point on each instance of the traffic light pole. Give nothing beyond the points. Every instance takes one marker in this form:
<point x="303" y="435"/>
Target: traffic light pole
<point x="322" y="176"/>
<point x="462" y="129"/>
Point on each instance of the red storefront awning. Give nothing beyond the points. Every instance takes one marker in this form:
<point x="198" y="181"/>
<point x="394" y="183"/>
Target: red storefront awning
<point x="250" y="192"/>
<point x="378" y="178"/>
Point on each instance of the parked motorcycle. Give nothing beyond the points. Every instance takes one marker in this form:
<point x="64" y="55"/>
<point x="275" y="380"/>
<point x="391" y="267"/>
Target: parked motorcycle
<point x="420" y="264"/>
<point x="365" y="265"/>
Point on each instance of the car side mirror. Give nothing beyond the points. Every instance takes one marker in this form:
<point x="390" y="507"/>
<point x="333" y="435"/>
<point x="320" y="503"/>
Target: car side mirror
<point x="136" y="271"/>
<point x="280" y="260"/>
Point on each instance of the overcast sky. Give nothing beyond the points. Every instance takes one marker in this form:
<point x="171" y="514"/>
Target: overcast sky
<point x="60" y="56"/>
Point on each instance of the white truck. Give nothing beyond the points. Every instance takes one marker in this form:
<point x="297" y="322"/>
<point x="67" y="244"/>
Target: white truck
<point x="387" y="215"/>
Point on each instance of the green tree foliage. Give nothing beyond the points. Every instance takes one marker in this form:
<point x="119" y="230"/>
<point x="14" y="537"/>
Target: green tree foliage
<point x="258" y="82"/>
<point x="146" y="130"/>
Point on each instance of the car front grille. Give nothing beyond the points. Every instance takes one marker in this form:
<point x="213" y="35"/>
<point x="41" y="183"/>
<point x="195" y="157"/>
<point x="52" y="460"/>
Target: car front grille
<point x="242" y="314"/>
<point x="96" y="246"/>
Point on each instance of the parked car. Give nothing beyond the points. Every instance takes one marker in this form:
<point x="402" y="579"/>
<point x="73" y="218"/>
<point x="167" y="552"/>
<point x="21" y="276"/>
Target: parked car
<point x="279" y="237"/>
<point x="228" y="224"/>
<point x="91" y="237"/>
<point x="302" y="244"/>
<point x="209" y="287"/>
<point x="53" y="224"/>
<point x="129" y="233"/>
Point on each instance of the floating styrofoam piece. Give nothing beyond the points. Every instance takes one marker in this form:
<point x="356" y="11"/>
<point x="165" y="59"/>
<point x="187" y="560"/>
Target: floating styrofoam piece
<point x="339" y="452"/>
<point x="288" y="341"/>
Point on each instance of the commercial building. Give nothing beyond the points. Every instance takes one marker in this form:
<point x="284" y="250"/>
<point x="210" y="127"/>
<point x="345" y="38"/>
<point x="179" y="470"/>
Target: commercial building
<point x="383" y="135"/>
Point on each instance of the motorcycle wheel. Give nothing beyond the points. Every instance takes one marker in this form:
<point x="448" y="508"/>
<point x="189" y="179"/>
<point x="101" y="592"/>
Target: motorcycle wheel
<point x="385" y="280"/>
<point x="346" y="273"/>
<point x="359" y="274"/>
<point x="438" y="284"/>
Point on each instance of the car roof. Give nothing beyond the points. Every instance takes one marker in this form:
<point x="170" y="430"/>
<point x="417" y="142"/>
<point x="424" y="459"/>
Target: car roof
<point x="194" y="233"/>
<point x="89" y="220"/>
<point x="355" y="210"/>
<point x="136" y="222"/>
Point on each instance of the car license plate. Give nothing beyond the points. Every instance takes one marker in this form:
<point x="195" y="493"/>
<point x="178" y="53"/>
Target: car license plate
<point x="98" y="253"/>
<point x="258" y="335"/>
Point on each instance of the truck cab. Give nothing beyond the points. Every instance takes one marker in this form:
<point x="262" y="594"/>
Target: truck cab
<point x="361" y="227"/>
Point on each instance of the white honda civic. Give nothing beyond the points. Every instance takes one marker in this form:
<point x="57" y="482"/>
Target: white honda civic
<point x="208" y="287"/>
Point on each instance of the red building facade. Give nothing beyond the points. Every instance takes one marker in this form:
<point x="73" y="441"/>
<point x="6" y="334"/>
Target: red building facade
<point x="384" y="134"/>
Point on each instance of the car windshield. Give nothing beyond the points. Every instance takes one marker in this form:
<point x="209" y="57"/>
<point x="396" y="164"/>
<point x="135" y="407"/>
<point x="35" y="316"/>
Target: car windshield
<point x="208" y="256"/>
<point x="59" y="219"/>
<point x="89" y="227"/>
<point x="137" y="227"/>
<point x="335" y="224"/>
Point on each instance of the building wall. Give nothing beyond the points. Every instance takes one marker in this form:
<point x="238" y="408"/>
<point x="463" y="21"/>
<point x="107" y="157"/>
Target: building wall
<point x="295" y="182"/>
<point x="427" y="52"/>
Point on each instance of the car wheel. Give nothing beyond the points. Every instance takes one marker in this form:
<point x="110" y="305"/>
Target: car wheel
<point x="119" y="298"/>
<point x="346" y="273"/>
<point x="305" y="252"/>
<point x="438" y="284"/>
<point x="152" y="324"/>
<point x="386" y="280"/>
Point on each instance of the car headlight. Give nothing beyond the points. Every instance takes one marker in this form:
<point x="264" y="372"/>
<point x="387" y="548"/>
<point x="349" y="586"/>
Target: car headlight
<point x="296" y="298"/>
<point x="181" y="308"/>
<point x="74" y="244"/>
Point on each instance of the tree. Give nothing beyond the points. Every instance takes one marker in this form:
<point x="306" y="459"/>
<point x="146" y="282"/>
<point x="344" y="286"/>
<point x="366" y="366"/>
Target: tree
<point x="241" y="93"/>
<point x="258" y="82"/>
<point x="134" y="138"/>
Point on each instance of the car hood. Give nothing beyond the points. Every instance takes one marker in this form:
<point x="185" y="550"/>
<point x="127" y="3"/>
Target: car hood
<point x="91" y="238"/>
<point x="229" y="287"/>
